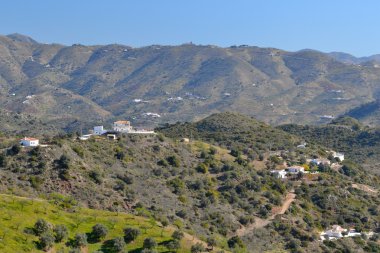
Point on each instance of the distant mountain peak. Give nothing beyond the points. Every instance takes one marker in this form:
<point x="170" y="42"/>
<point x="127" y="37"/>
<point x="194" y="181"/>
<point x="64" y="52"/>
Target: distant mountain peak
<point x="21" y="38"/>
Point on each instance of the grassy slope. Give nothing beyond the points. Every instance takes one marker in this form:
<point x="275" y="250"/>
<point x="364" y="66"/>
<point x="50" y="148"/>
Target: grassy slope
<point x="20" y="213"/>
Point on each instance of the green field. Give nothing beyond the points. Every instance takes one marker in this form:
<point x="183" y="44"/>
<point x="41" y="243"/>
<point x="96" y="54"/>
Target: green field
<point x="18" y="214"/>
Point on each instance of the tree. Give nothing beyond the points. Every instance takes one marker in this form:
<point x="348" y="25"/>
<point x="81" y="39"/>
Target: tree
<point x="99" y="231"/>
<point x="177" y="235"/>
<point x="130" y="234"/>
<point x="211" y="242"/>
<point x="118" y="244"/>
<point x="46" y="240"/>
<point x="235" y="241"/>
<point x="164" y="223"/>
<point x="60" y="233"/>
<point x="174" y="245"/>
<point x="149" y="243"/>
<point x="80" y="240"/>
<point x="14" y="150"/>
<point x="3" y="161"/>
<point x="197" y="248"/>
<point x="41" y="226"/>
<point x="173" y="161"/>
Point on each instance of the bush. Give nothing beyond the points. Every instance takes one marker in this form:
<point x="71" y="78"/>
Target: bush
<point x="60" y="233"/>
<point x="197" y="248"/>
<point x="130" y="234"/>
<point x="41" y="226"/>
<point x="177" y="235"/>
<point x="173" y="245"/>
<point x="14" y="150"/>
<point x="99" y="231"/>
<point x="202" y="168"/>
<point x="46" y="240"/>
<point x="96" y="176"/>
<point x="149" y="243"/>
<point x="3" y="161"/>
<point x="118" y="245"/>
<point x="80" y="240"/>
<point x="173" y="161"/>
<point x="234" y="242"/>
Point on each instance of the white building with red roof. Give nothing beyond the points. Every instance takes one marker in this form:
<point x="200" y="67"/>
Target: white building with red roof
<point x="29" y="142"/>
<point x="122" y="126"/>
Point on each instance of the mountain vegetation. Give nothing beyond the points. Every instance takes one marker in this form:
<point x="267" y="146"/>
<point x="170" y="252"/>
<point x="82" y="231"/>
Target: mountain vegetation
<point x="72" y="87"/>
<point x="216" y="189"/>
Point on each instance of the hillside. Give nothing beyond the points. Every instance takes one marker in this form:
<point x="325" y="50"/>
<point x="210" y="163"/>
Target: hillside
<point x="62" y="211"/>
<point x="69" y="86"/>
<point x="234" y="131"/>
<point x="361" y="144"/>
<point x="368" y="113"/>
<point x="217" y="186"/>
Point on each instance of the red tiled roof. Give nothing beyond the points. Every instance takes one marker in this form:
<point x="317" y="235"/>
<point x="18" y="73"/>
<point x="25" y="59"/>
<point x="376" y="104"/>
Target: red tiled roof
<point x="29" y="139"/>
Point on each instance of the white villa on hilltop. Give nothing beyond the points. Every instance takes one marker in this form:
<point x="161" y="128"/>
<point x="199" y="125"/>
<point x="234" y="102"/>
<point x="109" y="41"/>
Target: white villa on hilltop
<point x="122" y="126"/>
<point x="29" y="142"/>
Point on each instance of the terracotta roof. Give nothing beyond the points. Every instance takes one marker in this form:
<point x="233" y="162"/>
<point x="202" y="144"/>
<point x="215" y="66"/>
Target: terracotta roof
<point x="29" y="139"/>
<point x="121" y="122"/>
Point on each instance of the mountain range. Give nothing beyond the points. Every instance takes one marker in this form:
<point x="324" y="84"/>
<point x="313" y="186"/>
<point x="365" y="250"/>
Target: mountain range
<point x="72" y="87"/>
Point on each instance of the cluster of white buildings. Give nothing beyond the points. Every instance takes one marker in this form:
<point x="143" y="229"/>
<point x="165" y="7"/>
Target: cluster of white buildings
<point x="121" y="126"/>
<point x="337" y="232"/>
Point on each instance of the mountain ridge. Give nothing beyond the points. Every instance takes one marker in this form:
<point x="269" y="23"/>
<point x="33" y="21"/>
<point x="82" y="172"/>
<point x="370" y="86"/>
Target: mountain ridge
<point x="179" y="83"/>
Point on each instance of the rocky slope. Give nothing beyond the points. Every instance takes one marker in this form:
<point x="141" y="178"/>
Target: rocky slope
<point x="67" y="84"/>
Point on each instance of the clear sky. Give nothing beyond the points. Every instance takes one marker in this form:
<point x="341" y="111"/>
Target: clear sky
<point x="327" y="25"/>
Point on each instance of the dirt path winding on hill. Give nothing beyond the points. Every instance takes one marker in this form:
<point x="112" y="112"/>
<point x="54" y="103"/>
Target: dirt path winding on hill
<point x="260" y="223"/>
<point x="365" y="188"/>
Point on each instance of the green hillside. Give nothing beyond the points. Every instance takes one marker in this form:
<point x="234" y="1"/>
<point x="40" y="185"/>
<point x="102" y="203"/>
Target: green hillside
<point x="20" y="214"/>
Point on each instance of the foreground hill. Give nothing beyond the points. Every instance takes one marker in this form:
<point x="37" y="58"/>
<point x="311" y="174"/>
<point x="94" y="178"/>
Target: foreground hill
<point x="60" y="211"/>
<point x="217" y="186"/>
<point x="66" y="84"/>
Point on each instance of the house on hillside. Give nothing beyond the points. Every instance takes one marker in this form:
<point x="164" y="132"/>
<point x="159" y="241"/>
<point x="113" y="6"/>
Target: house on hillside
<point x="99" y="130"/>
<point x="122" y="126"/>
<point x="319" y="161"/>
<point x="295" y="169"/>
<point x="29" y="142"/>
<point x="279" y="173"/>
<point x="336" y="231"/>
<point x="338" y="155"/>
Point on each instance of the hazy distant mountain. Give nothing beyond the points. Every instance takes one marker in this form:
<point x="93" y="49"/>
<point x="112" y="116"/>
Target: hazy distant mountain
<point x="348" y="58"/>
<point x="99" y="83"/>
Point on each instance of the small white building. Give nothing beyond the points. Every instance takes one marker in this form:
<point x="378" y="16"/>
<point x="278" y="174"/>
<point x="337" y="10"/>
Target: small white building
<point x="85" y="137"/>
<point x="338" y="155"/>
<point x="319" y="161"/>
<point x="335" y="232"/>
<point x="122" y="126"/>
<point x="99" y="130"/>
<point x="295" y="169"/>
<point x="279" y="173"/>
<point x="29" y="142"/>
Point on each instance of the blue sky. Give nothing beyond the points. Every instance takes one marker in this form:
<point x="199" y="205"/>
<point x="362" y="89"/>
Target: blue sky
<point x="328" y="25"/>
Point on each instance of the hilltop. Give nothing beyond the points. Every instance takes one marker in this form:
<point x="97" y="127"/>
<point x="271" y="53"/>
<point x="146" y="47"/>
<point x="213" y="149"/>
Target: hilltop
<point x="69" y="86"/>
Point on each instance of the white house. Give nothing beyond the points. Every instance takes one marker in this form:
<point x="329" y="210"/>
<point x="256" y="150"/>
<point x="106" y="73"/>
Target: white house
<point x="122" y="126"/>
<point x="29" y="142"/>
<point x="338" y="155"/>
<point x="295" y="169"/>
<point x="336" y="231"/>
<point x="279" y="173"/>
<point x="99" y="130"/>
<point x="319" y="161"/>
